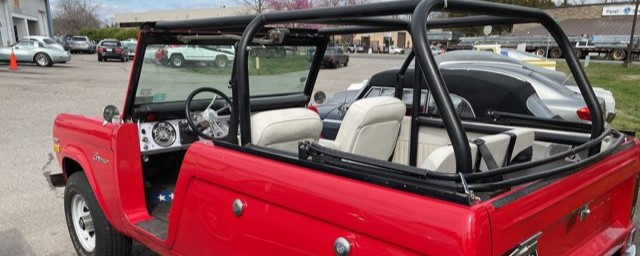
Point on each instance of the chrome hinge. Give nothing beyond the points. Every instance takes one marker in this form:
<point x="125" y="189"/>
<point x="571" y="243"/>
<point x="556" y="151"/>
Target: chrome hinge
<point x="527" y="248"/>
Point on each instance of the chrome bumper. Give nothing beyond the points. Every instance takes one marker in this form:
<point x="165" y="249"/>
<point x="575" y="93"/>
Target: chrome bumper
<point x="630" y="251"/>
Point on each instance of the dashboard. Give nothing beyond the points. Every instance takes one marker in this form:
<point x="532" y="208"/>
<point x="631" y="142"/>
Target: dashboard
<point x="165" y="136"/>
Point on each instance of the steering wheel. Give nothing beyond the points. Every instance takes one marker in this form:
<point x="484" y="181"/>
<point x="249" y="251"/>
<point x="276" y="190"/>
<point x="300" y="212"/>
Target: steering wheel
<point x="211" y="124"/>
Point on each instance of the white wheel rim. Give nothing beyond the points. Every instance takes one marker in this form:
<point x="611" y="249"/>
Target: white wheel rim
<point x="83" y="223"/>
<point x="222" y="63"/>
<point x="177" y="62"/>
<point x="42" y="60"/>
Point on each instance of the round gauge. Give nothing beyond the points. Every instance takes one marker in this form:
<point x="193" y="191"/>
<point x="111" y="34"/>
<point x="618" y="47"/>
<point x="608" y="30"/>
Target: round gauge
<point x="163" y="134"/>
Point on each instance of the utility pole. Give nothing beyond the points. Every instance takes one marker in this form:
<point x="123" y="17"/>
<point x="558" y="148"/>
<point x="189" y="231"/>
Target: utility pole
<point x="628" y="62"/>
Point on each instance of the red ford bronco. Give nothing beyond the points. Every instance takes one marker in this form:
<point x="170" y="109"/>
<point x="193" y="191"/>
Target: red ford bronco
<point x="207" y="160"/>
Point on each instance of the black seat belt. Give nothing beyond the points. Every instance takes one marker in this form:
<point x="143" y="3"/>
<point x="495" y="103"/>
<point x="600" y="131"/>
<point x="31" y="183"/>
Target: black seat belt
<point x="512" y="144"/>
<point x="485" y="154"/>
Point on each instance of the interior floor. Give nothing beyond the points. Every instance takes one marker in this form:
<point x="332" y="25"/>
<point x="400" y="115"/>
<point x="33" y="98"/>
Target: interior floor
<point x="159" y="195"/>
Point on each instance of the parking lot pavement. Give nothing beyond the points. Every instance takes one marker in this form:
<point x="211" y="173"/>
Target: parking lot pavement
<point x="31" y="211"/>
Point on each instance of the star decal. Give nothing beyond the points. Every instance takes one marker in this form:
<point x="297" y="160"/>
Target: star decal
<point x="161" y="198"/>
<point x="171" y="195"/>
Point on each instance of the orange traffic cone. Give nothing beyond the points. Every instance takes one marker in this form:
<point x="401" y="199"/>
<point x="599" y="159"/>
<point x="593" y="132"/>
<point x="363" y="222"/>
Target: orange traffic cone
<point x="13" y="63"/>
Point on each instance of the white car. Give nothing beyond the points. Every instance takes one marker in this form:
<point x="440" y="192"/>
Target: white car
<point x="219" y="56"/>
<point x="396" y="50"/>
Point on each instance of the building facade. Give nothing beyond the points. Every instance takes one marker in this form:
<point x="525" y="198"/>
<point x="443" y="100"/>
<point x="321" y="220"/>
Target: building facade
<point x="127" y="20"/>
<point x="20" y="18"/>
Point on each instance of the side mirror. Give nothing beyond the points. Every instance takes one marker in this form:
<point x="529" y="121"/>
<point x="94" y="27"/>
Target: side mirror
<point x="111" y="114"/>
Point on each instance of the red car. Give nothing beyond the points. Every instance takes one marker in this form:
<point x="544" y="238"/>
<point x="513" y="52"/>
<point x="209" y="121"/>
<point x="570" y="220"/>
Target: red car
<point x="209" y="161"/>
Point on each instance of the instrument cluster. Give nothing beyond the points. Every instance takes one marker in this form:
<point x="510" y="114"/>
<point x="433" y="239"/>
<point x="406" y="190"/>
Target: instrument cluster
<point x="165" y="136"/>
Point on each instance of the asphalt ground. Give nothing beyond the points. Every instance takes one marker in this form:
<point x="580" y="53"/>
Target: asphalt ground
<point x="31" y="210"/>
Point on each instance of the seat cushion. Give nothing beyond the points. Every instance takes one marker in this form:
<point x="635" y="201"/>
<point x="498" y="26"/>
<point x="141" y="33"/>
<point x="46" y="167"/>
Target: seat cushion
<point x="284" y="128"/>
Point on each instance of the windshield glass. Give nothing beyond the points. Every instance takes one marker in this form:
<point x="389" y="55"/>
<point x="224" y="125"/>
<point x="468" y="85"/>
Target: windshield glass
<point x="171" y="72"/>
<point x="110" y="43"/>
<point x="79" y="39"/>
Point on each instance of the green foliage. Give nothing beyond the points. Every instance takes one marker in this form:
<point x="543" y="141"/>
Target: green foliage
<point x="501" y="29"/>
<point x="116" y="33"/>
<point x="624" y="83"/>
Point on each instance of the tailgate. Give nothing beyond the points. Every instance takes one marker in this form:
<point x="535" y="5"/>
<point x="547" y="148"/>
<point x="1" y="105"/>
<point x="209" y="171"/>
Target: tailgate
<point x="586" y="213"/>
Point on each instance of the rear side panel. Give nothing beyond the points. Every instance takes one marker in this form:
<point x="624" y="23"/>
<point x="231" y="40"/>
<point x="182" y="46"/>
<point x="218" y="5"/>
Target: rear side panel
<point x="587" y="213"/>
<point x="297" y="211"/>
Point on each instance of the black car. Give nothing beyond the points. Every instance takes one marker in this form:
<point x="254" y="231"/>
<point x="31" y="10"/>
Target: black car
<point x="334" y="57"/>
<point x="477" y="95"/>
<point x="111" y="49"/>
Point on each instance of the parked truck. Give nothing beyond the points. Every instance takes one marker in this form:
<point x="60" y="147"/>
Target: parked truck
<point x="614" y="47"/>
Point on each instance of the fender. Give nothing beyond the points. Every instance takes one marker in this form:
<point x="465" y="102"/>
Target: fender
<point x="79" y="156"/>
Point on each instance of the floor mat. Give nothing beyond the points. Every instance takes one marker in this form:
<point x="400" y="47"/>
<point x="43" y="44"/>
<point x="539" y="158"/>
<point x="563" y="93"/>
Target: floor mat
<point x="159" y="196"/>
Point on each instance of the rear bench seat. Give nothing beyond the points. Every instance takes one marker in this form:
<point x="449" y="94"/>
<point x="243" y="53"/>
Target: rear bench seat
<point x="498" y="147"/>
<point x="435" y="152"/>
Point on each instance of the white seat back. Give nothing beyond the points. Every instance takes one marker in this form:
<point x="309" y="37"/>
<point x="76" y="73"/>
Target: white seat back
<point x="283" y="128"/>
<point x="443" y="158"/>
<point x="370" y="127"/>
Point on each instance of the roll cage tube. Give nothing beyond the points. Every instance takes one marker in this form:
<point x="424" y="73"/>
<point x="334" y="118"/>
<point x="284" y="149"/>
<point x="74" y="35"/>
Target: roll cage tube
<point x="419" y="22"/>
<point x="244" y="108"/>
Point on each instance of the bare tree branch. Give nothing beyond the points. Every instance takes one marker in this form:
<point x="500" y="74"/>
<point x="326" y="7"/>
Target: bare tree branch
<point x="71" y="16"/>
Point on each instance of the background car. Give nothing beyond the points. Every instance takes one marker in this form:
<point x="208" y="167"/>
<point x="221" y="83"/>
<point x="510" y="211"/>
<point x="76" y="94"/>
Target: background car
<point x="334" y="57"/>
<point x="46" y="41"/>
<point x="81" y="44"/>
<point x="31" y="51"/>
<point x="130" y="48"/>
<point x="396" y="50"/>
<point x="557" y="78"/>
<point x="111" y="49"/>
<point x="490" y="93"/>
<point x="62" y="41"/>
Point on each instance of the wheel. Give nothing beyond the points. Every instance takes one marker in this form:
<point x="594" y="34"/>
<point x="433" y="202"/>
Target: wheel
<point x="579" y="53"/>
<point x="214" y="125"/>
<point x="221" y="61"/>
<point x="541" y="52"/>
<point x="43" y="60"/>
<point x="90" y="231"/>
<point x="555" y="53"/>
<point x="618" y="54"/>
<point x="176" y="61"/>
<point x="346" y="63"/>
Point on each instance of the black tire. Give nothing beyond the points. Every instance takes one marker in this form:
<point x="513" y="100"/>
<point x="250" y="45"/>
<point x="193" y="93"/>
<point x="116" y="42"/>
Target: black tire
<point x="346" y="63"/>
<point x="108" y="241"/>
<point x="221" y="61"/>
<point x="176" y="61"/>
<point x="555" y="53"/>
<point x="541" y="52"/>
<point x="618" y="54"/>
<point x="42" y="59"/>
<point x="579" y="53"/>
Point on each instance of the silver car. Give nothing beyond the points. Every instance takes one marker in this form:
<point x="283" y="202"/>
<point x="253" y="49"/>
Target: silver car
<point x="558" y="91"/>
<point x="82" y="44"/>
<point x="35" y="52"/>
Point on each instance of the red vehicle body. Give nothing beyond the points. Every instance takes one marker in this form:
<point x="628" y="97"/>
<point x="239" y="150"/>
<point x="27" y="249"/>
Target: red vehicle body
<point x="232" y="200"/>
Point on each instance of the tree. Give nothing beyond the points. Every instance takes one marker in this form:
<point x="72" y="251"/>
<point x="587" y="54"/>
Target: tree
<point x="283" y="5"/>
<point x="255" y="6"/>
<point x="71" y="16"/>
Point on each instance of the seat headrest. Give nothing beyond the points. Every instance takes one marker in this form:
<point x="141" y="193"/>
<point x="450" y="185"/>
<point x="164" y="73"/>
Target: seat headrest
<point x="375" y="110"/>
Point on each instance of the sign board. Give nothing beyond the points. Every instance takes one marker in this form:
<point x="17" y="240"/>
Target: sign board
<point x="618" y="10"/>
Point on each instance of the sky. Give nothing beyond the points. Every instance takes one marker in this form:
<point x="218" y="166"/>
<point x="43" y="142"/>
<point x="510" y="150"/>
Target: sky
<point x="108" y="8"/>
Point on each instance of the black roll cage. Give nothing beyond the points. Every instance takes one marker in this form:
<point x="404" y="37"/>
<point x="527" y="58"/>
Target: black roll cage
<point x="426" y="67"/>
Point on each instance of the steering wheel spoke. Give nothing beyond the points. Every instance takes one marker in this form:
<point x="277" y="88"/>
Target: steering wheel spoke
<point x="214" y="125"/>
